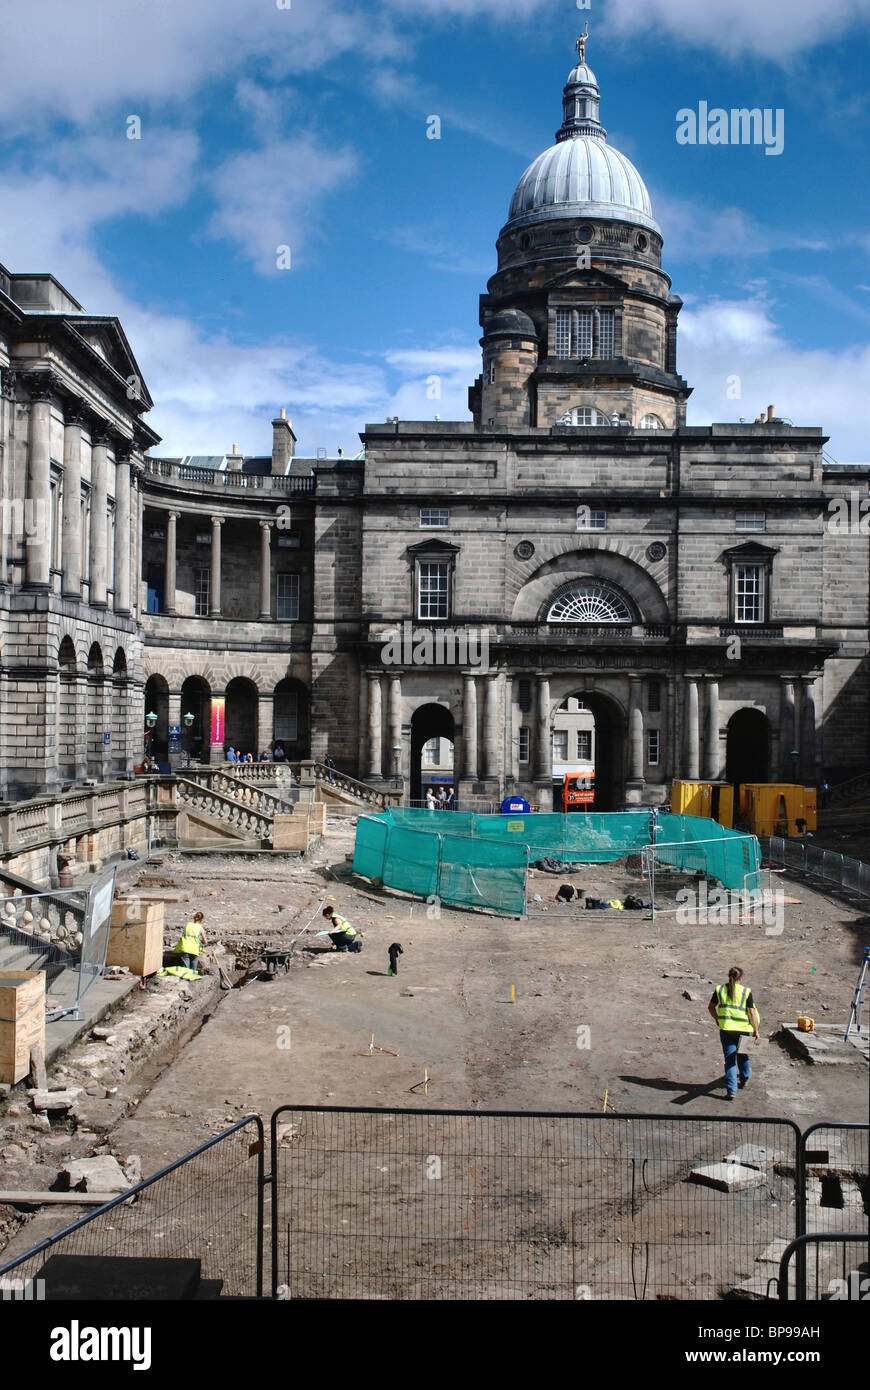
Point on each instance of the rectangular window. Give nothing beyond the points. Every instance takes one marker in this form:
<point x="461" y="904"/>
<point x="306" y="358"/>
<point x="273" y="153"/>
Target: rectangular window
<point x="287" y="717"/>
<point x="591" y="520"/>
<point x="202" y="592"/>
<point x="751" y="521"/>
<point x="291" y="542"/>
<point x="584" y="745"/>
<point x="748" y="594"/>
<point x="605" y="333"/>
<point x="434" y="592"/>
<point x="652" y="747"/>
<point x="560" y="746"/>
<point x="492" y="373"/>
<point x="287" y="598"/>
<point x="434" y="517"/>
<point x="525" y="741"/>
<point x="654" y="696"/>
<point x="563" y="332"/>
<point x="431" y="752"/>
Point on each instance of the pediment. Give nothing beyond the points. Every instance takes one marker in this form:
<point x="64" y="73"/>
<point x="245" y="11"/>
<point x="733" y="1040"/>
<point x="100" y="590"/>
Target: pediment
<point x="587" y="280"/>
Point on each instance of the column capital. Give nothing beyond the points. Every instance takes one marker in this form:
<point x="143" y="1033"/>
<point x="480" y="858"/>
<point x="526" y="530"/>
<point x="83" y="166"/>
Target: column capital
<point x="102" y="435"/>
<point x="172" y="516"/>
<point x="266" y="525"/>
<point x="124" y="450"/>
<point x="41" y="385"/>
<point x="8" y="382"/>
<point x="75" y="412"/>
<point x="216" y="520"/>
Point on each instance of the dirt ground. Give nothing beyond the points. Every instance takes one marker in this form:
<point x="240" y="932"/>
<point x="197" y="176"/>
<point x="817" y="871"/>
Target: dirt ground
<point x="449" y="1009"/>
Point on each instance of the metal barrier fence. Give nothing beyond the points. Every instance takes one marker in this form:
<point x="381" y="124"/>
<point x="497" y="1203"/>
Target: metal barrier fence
<point x="826" y="865"/>
<point x="423" y="1204"/>
<point x="206" y="1206"/>
<point x="833" y="1268"/>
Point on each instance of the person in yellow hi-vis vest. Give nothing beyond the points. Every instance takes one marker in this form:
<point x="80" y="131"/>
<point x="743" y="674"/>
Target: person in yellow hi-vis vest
<point x="734" y="1010"/>
<point x="343" y="936"/>
<point x="192" y="942"/>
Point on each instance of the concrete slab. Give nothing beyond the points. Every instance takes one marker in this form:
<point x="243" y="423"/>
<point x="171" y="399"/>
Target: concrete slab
<point x="727" y="1177"/>
<point x="821" y="1049"/>
<point x="773" y="1253"/>
<point x="753" y="1156"/>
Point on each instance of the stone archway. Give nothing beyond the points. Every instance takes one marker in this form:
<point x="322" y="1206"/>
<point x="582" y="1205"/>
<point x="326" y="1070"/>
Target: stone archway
<point x="156" y="740"/>
<point x="241" y="716"/>
<point x="68" y="732"/>
<point x="196" y="700"/>
<point x="747" y="756"/>
<point x="430" y="722"/>
<point x="291" y="724"/>
<point x="609" y="749"/>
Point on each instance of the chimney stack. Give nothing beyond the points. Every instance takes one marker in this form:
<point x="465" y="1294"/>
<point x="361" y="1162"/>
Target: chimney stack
<point x="771" y="414"/>
<point x="283" y="444"/>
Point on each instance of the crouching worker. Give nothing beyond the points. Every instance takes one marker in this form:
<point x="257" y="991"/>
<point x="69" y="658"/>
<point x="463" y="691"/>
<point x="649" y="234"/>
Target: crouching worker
<point x="344" y="937"/>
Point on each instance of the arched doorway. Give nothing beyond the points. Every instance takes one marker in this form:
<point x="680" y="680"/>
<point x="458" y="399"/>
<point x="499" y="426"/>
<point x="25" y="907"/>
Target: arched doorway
<point x="602" y="717"/>
<point x="196" y="700"/>
<point x="428" y="724"/>
<point x="67" y="730"/>
<point x="156" y="741"/>
<point x="96" y="715"/>
<point x="241" y="717"/>
<point x="747" y="757"/>
<point x="119" y="712"/>
<point x="291" y="727"/>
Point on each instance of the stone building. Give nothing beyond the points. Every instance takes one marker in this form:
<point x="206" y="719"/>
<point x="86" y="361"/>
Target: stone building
<point x="574" y="566"/>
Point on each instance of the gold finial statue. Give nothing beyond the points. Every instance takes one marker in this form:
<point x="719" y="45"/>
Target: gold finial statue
<point x="581" y="43"/>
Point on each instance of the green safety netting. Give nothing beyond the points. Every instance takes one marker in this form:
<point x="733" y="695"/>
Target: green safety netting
<point x="482" y="861"/>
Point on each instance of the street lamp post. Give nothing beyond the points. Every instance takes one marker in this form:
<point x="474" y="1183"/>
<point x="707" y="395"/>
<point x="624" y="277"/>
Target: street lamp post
<point x="188" y="724"/>
<point x="397" y="753"/>
<point x="150" y="723"/>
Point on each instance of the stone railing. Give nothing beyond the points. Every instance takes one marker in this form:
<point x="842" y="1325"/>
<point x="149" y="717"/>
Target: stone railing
<point x="845" y="792"/>
<point x="82" y="823"/>
<point x="185" y="473"/>
<point x="314" y="773"/>
<point x="227" y="811"/>
<point x="247" y="793"/>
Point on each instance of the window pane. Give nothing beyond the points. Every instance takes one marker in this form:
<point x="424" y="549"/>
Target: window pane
<point x="748" y="594"/>
<point x="524" y="744"/>
<point x="652" y="747"/>
<point x="654" y="697"/>
<point x="286" y="716"/>
<point x="584" y="745"/>
<point x="433" y="590"/>
<point x="563" y="332"/>
<point x="750" y="521"/>
<point x="287" y="597"/>
<point x="430" y="752"/>
<point x="202" y="592"/>
<point x="589" y="520"/>
<point x="434" y="516"/>
<point x="584" y="333"/>
<point x="605" y="343"/>
<point x="560" y="746"/>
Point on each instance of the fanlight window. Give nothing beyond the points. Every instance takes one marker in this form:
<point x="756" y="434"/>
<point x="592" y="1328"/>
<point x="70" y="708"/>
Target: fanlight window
<point x="583" y="415"/>
<point x="651" y="422"/>
<point x="591" y="603"/>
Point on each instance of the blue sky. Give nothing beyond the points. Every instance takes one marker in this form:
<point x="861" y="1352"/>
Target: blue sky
<point x="307" y="127"/>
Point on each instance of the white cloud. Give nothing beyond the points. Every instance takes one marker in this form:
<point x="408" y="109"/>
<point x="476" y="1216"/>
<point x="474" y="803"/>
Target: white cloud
<point x="765" y="28"/>
<point x="725" y="339"/>
<point x="698" y="230"/>
<point x="266" y="198"/>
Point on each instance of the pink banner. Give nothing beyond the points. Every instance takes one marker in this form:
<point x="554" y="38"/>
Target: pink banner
<point x="218" y="707"/>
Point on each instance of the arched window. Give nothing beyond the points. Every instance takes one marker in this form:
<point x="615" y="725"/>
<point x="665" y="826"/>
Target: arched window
<point x="589" y="603"/>
<point x="651" y="422"/>
<point x="584" y="415"/>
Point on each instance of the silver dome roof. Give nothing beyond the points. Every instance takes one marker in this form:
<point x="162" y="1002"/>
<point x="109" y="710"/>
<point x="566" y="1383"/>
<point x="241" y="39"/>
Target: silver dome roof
<point x="581" y="175"/>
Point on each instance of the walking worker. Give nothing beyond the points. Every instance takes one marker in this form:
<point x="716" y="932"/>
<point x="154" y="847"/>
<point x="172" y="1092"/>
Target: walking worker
<point x="344" y="937"/>
<point x="394" y="952"/>
<point x="192" y="942"/>
<point x="734" y="1010"/>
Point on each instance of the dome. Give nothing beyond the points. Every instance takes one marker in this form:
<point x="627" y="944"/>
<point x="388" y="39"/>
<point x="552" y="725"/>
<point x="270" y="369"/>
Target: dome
<point x="511" y="321"/>
<point x="581" y="175"/>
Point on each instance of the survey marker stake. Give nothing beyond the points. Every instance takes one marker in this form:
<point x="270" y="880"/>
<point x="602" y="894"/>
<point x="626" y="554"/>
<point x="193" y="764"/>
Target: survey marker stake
<point x="376" y="1047"/>
<point x="424" y="1083"/>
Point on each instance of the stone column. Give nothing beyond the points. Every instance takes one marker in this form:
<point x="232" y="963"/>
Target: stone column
<point x="511" y="765"/>
<point x="124" y="540"/>
<point x="214" y="608"/>
<point x="394" y="722"/>
<point x="99" y="577"/>
<point x="37" y="517"/>
<point x="635" y="730"/>
<point x="490" y="727"/>
<point x="375" y="727"/>
<point x="72" y="501"/>
<point x="469" y="726"/>
<point x="713" y="768"/>
<point x="788" y="728"/>
<point x="265" y="569"/>
<point x="668" y="755"/>
<point x="693" y="739"/>
<point x="265" y="724"/>
<point x="809" y="770"/>
<point x="169" y="571"/>
<point x="545" y="741"/>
